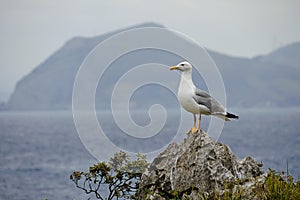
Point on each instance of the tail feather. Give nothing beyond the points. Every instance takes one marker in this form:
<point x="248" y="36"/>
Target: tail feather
<point x="230" y="115"/>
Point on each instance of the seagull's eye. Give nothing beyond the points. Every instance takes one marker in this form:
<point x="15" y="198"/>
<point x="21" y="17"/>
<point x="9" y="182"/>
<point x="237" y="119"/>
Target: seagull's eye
<point x="182" y="65"/>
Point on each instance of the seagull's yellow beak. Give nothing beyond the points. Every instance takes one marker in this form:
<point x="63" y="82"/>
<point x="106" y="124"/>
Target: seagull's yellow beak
<point x="174" y="68"/>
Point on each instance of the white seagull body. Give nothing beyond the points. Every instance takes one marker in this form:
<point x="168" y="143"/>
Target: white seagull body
<point x="195" y="100"/>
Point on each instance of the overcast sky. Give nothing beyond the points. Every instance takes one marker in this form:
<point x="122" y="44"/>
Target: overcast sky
<point x="31" y="30"/>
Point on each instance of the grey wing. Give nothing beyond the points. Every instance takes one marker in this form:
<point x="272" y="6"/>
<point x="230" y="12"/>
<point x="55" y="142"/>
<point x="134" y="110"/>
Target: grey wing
<point x="205" y="99"/>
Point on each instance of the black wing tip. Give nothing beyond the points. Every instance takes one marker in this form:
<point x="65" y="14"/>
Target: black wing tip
<point x="230" y="115"/>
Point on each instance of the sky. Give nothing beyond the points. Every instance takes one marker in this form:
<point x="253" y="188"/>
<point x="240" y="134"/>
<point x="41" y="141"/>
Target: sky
<point x="31" y="30"/>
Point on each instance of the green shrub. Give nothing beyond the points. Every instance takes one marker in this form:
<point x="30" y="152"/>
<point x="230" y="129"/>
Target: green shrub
<point x="279" y="187"/>
<point x="119" y="177"/>
<point x="276" y="186"/>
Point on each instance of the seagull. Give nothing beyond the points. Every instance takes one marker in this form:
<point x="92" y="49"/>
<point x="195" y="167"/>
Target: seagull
<point x="195" y="100"/>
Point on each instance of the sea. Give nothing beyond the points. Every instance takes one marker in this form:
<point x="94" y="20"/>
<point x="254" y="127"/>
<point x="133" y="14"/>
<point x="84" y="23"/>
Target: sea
<point x="39" y="150"/>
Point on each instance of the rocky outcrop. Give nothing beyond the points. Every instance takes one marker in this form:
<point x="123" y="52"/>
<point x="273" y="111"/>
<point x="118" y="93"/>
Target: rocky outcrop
<point x="198" y="165"/>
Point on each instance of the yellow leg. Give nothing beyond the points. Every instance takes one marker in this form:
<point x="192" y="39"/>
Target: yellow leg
<point x="194" y="129"/>
<point x="199" y="121"/>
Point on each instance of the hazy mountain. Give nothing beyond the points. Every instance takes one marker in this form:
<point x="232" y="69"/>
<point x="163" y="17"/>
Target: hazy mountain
<point x="287" y="55"/>
<point x="269" y="80"/>
<point x="259" y="81"/>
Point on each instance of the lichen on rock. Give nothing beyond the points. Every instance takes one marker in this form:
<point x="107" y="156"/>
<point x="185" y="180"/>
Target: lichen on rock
<point x="198" y="165"/>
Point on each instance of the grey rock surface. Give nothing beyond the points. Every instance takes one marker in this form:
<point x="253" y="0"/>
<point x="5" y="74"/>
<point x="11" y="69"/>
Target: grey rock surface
<point x="199" y="164"/>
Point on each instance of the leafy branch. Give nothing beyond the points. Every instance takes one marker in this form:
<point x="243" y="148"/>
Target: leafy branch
<point x="120" y="177"/>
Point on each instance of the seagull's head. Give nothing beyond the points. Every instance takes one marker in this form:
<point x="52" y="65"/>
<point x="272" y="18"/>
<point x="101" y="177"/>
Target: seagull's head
<point x="183" y="66"/>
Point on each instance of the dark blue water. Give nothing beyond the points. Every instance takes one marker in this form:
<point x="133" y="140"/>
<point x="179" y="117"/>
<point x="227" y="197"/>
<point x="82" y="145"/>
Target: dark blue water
<point x="270" y="136"/>
<point x="39" y="150"/>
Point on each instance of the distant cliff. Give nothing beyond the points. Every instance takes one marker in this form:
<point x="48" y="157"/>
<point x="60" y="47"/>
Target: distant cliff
<point x="198" y="166"/>
<point x="271" y="80"/>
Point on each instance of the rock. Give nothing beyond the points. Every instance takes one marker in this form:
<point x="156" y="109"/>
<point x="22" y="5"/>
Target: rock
<point x="198" y="165"/>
